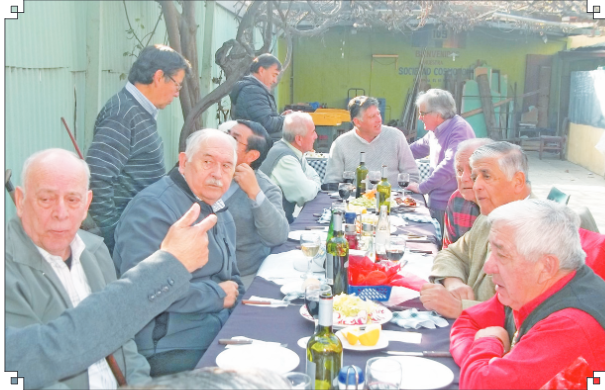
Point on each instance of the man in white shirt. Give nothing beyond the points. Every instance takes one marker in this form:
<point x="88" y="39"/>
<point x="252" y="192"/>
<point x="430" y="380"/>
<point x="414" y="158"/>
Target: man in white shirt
<point x="287" y="167"/>
<point x="51" y="265"/>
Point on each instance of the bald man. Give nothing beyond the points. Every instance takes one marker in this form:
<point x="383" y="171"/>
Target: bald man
<point x="51" y="265"/>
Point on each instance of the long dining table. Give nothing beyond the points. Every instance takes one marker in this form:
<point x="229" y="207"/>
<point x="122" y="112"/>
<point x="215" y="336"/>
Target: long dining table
<point x="286" y="325"/>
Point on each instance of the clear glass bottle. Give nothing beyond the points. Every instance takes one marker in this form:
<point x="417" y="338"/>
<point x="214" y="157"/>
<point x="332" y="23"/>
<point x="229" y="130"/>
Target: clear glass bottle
<point x="324" y="348"/>
<point x="383" y="232"/>
<point x="337" y="262"/>
<point x="367" y="240"/>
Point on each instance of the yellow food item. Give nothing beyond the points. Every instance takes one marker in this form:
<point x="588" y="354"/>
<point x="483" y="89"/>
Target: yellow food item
<point x="351" y="334"/>
<point x="370" y="336"/>
<point x="351" y="305"/>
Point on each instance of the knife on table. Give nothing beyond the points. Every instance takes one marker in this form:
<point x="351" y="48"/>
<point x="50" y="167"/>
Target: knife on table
<point x="423" y="353"/>
<point x="315" y="227"/>
<point x="233" y="342"/>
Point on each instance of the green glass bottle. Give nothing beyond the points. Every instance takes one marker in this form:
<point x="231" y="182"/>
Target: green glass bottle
<point x="337" y="261"/>
<point x="383" y="191"/>
<point x="324" y="349"/>
<point x="360" y="175"/>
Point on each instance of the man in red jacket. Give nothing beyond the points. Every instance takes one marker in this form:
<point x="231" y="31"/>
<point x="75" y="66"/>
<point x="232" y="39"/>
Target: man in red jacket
<point x="548" y="308"/>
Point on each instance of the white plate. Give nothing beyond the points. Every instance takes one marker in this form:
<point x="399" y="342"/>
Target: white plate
<point x="294" y="235"/>
<point x="383" y="342"/>
<point x="302" y="342"/>
<point x="421" y="373"/>
<point x="381" y="315"/>
<point x="274" y="358"/>
<point x="293" y="287"/>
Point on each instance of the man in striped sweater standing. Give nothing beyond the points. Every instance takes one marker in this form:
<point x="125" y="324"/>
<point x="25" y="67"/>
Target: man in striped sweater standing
<point x="126" y="154"/>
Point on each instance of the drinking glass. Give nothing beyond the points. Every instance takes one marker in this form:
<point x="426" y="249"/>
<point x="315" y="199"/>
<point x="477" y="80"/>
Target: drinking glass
<point x="309" y="244"/>
<point x="395" y="248"/>
<point x="348" y="177"/>
<point x="403" y="179"/>
<point x="344" y="191"/>
<point x="298" y="380"/>
<point x="383" y="373"/>
<point x="374" y="178"/>
<point x="312" y="293"/>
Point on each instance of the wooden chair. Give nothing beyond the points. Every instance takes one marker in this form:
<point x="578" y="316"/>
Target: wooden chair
<point x="556" y="195"/>
<point x="552" y="143"/>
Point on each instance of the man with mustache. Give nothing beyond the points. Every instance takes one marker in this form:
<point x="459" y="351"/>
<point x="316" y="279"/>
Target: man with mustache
<point x="176" y="339"/>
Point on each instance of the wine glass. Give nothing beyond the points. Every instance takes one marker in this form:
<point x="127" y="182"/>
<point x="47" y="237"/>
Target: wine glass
<point x="383" y="373"/>
<point x="309" y="244"/>
<point x="403" y="179"/>
<point x="395" y="248"/>
<point x="344" y="191"/>
<point x="312" y="294"/>
<point x="348" y="177"/>
<point x="374" y="177"/>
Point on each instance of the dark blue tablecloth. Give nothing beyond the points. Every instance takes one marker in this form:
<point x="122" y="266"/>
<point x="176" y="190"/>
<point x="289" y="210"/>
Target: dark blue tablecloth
<point x="286" y="325"/>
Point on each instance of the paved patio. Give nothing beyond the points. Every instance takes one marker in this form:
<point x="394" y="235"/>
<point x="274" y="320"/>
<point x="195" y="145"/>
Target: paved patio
<point x="586" y="188"/>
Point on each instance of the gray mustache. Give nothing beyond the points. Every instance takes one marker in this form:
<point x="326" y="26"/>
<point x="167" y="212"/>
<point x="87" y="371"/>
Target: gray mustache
<point x="214" y="182"/>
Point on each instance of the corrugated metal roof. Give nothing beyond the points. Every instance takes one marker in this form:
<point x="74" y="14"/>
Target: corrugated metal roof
<point x="51" y="40"/>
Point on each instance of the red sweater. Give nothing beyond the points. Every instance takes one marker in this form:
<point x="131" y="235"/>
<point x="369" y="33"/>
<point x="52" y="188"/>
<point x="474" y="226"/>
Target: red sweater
<point x="547" y="348"/>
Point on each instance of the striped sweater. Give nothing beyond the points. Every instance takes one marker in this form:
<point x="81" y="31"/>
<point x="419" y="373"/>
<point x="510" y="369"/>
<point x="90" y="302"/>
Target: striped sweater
<point x="126" y="155"/>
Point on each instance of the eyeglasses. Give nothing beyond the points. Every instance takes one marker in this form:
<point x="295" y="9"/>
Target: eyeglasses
<point x="178" y="86"/>
<point x="238" y="141"/>
<point x="423" y="114"/>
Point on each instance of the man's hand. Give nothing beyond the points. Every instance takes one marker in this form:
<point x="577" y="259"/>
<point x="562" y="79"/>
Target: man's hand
<point x="230" y="288"/>
<point x="245" y="177"/>
<point x="498" y="332"/>
<point x="189" y="244"/>
<point x="286" y="112"/>
<point x="436" y="297"/>
<point x="413" y="187"/>
<point x="457" y="287"/>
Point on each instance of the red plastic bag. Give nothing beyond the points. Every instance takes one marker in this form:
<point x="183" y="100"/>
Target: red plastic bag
<point x="572" y="377"/>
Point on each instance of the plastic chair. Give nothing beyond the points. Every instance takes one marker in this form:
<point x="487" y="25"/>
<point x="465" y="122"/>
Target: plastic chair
<point x="558" y="196"/>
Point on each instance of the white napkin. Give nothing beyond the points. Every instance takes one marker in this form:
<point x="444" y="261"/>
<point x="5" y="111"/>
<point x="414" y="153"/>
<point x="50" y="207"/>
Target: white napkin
<point x="415" y="319"/>
<point x="404" y="337"/>
<point x="254" y="342"/>
<point x="279" y="268"/>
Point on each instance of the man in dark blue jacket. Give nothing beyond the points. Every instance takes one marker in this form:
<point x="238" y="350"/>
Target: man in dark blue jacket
<point x="251" y="98"/>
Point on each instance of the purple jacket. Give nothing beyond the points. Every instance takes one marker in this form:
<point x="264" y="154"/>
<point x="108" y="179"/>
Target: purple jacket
<point x="441" y="144"/>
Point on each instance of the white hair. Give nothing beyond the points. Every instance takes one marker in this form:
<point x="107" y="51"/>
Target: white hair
<point x="200" y="138"/>
<point x="439" y="101"/>
<point x="543" y="227"/>
<point x="52" y="152"/>
<point x="295" y="124"/>
<point x="473" y="143"/>
<point x="226" y="126"/>
<point x="511" y="158"/>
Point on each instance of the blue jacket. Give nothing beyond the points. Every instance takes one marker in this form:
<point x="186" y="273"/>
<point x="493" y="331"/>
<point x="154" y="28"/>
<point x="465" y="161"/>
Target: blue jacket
<point x="251" y="100"/>
<point x="193" y="321"/>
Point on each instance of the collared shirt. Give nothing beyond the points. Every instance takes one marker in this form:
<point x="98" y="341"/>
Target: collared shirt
<point x="260" y="197"/>
<point x="142" y="99"/>
<point x="76" y="285"/>
<point x="442" y="126"/>
<point x="364" y="140"/>
<point x="460" y="215"/>
<point x="298" y="180"/>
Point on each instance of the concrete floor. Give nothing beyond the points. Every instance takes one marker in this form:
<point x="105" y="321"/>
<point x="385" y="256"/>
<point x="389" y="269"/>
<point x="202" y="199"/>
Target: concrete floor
<point x="585" y="188"/>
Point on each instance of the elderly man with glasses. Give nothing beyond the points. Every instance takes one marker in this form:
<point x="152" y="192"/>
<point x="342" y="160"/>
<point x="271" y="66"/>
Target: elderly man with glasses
<point x="445" y="131"/>
<point x="254" y="201"/>
<point x="383" y="145"/>
<point x="176" y="339"/>
<point x="127" y="153"/>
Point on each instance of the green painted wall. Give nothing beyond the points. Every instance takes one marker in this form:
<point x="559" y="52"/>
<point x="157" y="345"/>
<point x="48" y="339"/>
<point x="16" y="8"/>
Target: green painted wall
<point x="326" y="67"/>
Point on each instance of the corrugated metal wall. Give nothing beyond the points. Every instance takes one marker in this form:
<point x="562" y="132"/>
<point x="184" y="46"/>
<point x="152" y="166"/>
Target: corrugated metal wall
<point x="48" y="72"/>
